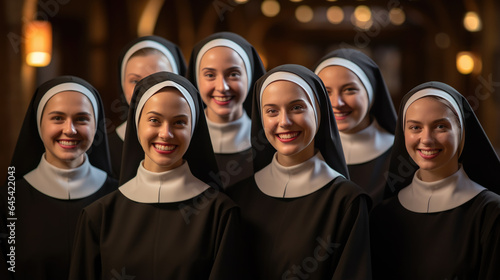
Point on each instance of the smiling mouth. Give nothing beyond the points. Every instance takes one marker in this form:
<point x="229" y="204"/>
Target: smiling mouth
<point x="68" y="143"/>
<point x="341" y="115"/>
<point x="163" y="148"/>
<point x="288" y="136"/>
<point x="429" y="154"/>
<point x="222" y="100"/>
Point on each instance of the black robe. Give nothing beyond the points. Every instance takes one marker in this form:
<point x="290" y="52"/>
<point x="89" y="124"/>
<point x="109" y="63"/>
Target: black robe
<point x="192" y="239"/>
<point x="44" y="230"/>
<point x="322" y="235"/>
<point x="235" y="167"/>
<point x="115" y="153"/>
<point x="371" y="175"/>
<point x="460" y="243"/>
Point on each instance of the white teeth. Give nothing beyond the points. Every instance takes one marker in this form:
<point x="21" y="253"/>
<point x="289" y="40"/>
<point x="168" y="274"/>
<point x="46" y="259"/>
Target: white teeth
<point x="288" y="135"/>
<point x="164" y="147"/>
<point x="341" y="114"/>
<point x="429" y="153"/>
<point x="68" y="143"/>
<point x="222" y="98"/>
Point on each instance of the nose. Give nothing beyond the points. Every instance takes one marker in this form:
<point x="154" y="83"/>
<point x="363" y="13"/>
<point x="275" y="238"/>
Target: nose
<point x="222" y="85"/>
<point x="165" y="132"/>
<point x="69" y="128"/>
<point x="427" y="138"/>
<point x="336" y="100"/>
<point x="284" y="120"/>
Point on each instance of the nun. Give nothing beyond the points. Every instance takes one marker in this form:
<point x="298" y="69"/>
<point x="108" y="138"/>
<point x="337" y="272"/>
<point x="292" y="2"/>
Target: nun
<point x="302" y="217"/>
<point x="224" y="68"/>
<point x="140" y="58"/>
<point x="168" y="219"/>
<point x="61" y="163"/>
<point x="442" y="217"/>
<point x="364" y="113"/>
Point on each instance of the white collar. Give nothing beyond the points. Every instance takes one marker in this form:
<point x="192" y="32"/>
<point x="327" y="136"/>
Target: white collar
<point x="121" y="129"/>
<point x="175" y="185"/>
<point x="367" y="144"/>
<point x="442" y="195"/>
<point x="66" y="184"/>
<point x="295" y="181"/>
<point x="232" y="137"/>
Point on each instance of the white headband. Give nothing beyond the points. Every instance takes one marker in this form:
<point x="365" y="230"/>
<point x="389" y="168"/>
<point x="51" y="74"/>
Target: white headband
<point x="149" y="44"/>
<point x="65" y="87"/>
<point x="154" y="89"/>
<point x="224" y="43"/>
<point x="287" y="76"/>
<point x="351" y="66"/>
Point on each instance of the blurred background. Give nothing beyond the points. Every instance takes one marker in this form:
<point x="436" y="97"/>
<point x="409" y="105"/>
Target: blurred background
<point x="453" y="41"/>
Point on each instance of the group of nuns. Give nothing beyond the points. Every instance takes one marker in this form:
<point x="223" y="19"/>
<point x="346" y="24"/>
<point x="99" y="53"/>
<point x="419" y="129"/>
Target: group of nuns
<point x="223" y="171"/>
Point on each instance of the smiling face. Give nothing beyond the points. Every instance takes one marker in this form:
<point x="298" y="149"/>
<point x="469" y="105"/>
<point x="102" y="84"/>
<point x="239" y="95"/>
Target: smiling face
<point x="223" y="84"/>
<point x="141" y="66"/>
<point x="348" y="97"/>
<point x="67" y="129"/>
<point x="432" y="138"/>
<point x="289" y="122"/>
<point x="165" y="130"/>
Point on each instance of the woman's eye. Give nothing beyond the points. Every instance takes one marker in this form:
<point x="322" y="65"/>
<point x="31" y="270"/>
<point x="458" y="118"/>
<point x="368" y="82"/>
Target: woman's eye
<point x="153" y="120"/>
<point x="297" y="107"/>
<point x="57" y="118"/>
<point x="234" y="74"/>
<point x="82" y="119"/>
<point x="181" y="122"/>
<point x="209" y="75"/>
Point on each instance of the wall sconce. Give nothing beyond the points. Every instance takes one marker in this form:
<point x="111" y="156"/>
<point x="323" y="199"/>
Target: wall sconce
<point x="38" y="43"/>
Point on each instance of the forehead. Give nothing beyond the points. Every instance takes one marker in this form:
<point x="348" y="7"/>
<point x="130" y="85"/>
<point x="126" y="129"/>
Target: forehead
<point x="167" y="100"/>
<point x="66" y="99"/>
<point x="283" y="91"/>
<point x="219" y="56"/>
<point x="153" y="60"/>
<point x="428" y="108"/>
<point x="335" y="72"/>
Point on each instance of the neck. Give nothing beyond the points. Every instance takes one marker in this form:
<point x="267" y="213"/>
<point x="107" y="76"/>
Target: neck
<point x="298" y="158"/>
<point x="362" y="125"/>
<point x="64" y="164"/>
<point x="439" y="174"/>
<point x="231" y="117"/>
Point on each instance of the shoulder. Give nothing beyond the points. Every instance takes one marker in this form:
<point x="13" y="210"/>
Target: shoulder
<point x="347" y="190"/>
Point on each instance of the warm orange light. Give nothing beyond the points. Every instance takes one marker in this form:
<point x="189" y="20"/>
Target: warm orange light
<point x="38" y="45"/>
<point x="270" y="8"/>
<point x="468" y="62"/>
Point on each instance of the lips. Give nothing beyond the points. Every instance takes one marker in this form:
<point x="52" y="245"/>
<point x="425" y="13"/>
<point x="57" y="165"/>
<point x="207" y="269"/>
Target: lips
<point x="288" y="136"/>
<point x="341" y="115"/>
<point x="429" y="153"/>
<point x="222" y="100"/>
<point x="68" y="144"/>
<point x="164" y="148"/>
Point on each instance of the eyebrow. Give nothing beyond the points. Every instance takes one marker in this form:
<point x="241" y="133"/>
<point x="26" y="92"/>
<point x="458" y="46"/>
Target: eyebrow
<point x="62" y="113"/>
<point x="435" y="121"/>
<point x="158" y="114"/>
<point x="291" y="102"/>
<point x="230" y="68"/>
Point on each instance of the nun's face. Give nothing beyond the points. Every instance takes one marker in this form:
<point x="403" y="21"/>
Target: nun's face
<point x="289" y="122"/>
<point x="432" y="137"/>
<point x="165" y="130"/>
<point x="139" y="67"/>
<point x="348" y="97"/>
<point x="223" y="84"/>
<point x="67" y="129"/>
